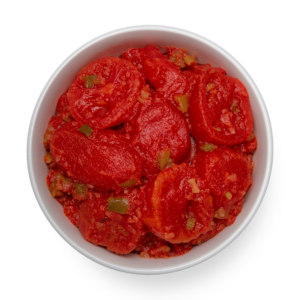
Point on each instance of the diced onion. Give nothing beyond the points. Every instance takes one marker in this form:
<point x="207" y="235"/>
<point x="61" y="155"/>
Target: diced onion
<point x="195" y="188"/>
<point x="228" y="195"/>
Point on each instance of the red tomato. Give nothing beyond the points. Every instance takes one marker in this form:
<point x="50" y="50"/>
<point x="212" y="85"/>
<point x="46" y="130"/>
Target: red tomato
<point x="63" y="107"/>
<point x="219" y="108"/>
<point x="226" y="173"/>
<point x="159" y="130"/>
<point x="104" y="92"/>
<point x="113" y="221"/>
<point x="178" y="207"/>
<point x="104" y="161"/>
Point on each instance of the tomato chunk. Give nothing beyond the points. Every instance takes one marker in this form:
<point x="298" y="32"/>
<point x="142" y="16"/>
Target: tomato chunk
<point x="120" y="232"/>
<point x="161" y="136"/>
<point x="104" y="92"/>
<point x="226" y="173"/>
<point x="162" y="74"/>
<point x="104" y="161"/>
<point x="63" y="108"/>
<point x="54" y="123"/>
<point x="219" y="108"/>
<point x="178" y="207"/>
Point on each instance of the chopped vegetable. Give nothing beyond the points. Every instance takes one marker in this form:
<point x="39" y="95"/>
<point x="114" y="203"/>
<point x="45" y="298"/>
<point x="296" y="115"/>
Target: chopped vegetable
<point x="183" y="102"/>
<point x="207" y="147"/>
<point x="190" y="224"/>
<point x="189" y="60"/>
<point x="90" y="80"/>
<point x="176" y="55"/>
<point x="195" y="188"/>
<point x="48" y="158"/>
<point x="87" y="130"/>
<point x="53" y="190"/>
<point x="80" y="189"/>
<point x="210" y="86"/>
<point x="118" y="204"/>
<point x="228" y="195"/>
<point x="221" y="213"/>
<point x="218" y="128"/>
<point x="234" y="107"/>
<point x="129" y="183"/>
<point x="252" y="136"/>
<point x="163" y="159"/>
<point x="122" y="230"/>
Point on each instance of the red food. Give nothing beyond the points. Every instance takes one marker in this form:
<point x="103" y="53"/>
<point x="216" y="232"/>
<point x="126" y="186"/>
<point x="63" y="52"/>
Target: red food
<point x="71" y="210"/>
<point x="247" y="147"/>
<point x="59" y="184"/>
<point x="178" y="208"/>
<point x="160" y="155"/>
<point x="136" y="57"/>
<point x="54" y="123"/>
<point x="220" y="224"/>
<point x="161" y="73"/>
<point x="104" y="161"/>
<point x="100" y="224"/>
<point x="158" y="130"/>
<point x="104" y="92"/>
<point x="219" y="108"/>
<point x="155" y="247"/>
<point x="63" y="107"/>
<point x="227" y="174"/>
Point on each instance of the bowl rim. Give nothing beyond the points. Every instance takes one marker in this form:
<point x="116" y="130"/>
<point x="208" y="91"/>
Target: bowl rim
<point x="269" y="162"/>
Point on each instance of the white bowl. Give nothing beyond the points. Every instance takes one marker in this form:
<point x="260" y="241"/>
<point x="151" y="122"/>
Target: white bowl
<point x="114" y="43"/>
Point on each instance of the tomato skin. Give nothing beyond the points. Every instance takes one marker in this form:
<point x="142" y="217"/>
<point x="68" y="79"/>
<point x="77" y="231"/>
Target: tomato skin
<point x="63" y="108"/>
<point x="54" y="123"/>
<point x="104" y="92"/>
<point x="120" y="233"/>
<point x="161" y="73"/>
<point x="219" y="107"/>
<point x="224" y="170"/>
<point x="171" y="205"/>
<point x="104" y="161"/>
<point x="156" y="127"/>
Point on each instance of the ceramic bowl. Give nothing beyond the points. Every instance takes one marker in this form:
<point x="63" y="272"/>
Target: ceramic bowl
<point x="113" y="44"/>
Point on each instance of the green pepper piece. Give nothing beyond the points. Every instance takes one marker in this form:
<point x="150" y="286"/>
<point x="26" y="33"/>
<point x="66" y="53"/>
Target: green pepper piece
<point x="117" y="204"/>
<point x="90" y="81"/>
<point x="252" y="136"/>
<point x="163" y="159"/>
<point x="207" y="147"/>
<point x="85" y="129"/>
<point x="80" y="189"/>
<point x="129" y="183"/>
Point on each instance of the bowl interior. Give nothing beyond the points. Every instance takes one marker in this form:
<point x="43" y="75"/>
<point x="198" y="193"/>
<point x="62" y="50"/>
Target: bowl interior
<point x="113" y="44"/>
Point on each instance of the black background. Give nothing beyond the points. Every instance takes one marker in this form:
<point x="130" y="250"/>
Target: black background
<point x="253" y="254"/>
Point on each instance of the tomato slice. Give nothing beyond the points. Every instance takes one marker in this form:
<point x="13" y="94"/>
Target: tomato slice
<point x="219" y="110"/>
<point x="121" y="231"/>
<point x="104" y="92"/>
<point x="178" y="207"/>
